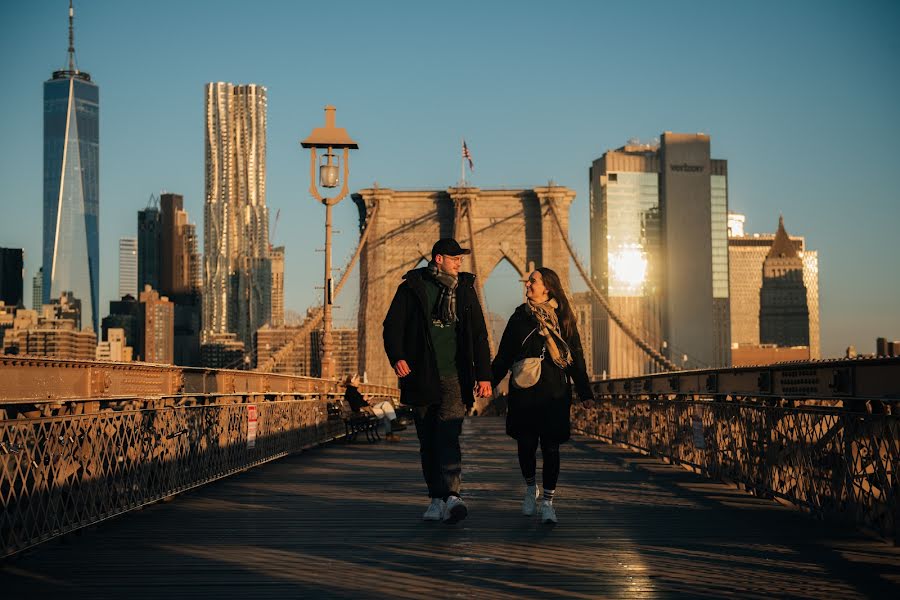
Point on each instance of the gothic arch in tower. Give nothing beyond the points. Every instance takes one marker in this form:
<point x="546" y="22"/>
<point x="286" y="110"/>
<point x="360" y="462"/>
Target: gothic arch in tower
<point x="511" y="224"/>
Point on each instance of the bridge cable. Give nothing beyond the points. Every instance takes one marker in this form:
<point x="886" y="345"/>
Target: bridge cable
<point x="315" y="316"/>
<point x="654" y="355"/>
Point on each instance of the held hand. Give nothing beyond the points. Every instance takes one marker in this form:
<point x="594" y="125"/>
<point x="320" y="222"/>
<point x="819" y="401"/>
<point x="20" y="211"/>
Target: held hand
<point x="483" y="389"/>
<point x="402" y="369"/>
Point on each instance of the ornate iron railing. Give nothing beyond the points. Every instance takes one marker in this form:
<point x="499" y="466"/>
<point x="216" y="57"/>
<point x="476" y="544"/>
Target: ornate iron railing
<point x="69" y="462"/>
<point x="61" y="473"/>
<point x="824" y="436"/>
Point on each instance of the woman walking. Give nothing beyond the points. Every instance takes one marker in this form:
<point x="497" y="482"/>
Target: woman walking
<point x="541" y="332"/>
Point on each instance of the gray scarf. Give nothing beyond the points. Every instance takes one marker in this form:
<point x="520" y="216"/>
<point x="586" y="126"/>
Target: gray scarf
<point x="445" y="310"/>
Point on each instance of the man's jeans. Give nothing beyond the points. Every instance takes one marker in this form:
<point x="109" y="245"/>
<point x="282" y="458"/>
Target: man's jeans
<point x="438" y="427"/>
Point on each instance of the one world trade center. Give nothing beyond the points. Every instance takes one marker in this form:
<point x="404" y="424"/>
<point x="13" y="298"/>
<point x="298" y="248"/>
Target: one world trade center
<point x="71" y="187"/>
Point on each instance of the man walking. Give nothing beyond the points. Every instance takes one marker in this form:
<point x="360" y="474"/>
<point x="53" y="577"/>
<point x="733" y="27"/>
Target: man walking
<point x="436" y="340"/>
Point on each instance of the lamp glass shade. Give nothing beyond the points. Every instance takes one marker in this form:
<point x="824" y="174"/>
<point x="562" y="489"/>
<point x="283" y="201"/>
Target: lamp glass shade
<point x="329" y="176"/>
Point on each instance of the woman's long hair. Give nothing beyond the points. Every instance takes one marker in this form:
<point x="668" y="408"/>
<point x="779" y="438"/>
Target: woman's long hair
<point x="555" y="290"/>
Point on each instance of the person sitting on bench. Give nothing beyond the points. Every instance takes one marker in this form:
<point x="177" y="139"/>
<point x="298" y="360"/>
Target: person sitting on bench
<point x="383" y="410"/>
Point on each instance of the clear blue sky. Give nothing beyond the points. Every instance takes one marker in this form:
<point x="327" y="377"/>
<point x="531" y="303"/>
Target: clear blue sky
<point x="800" y="97"/>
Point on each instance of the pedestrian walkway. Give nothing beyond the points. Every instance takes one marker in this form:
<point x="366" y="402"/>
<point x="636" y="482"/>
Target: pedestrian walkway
<point x="344" y="521"/>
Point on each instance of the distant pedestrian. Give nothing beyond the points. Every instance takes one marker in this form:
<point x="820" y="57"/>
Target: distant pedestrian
<point x="542" y="347"/>
<point x="384" y="410"/>
<point x="436" y="341"/>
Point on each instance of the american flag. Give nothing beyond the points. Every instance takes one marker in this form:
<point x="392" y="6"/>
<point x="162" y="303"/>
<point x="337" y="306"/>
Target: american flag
<point x="468" y="156"/>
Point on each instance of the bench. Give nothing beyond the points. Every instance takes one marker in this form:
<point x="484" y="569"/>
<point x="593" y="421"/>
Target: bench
<point x="354" y="422"/>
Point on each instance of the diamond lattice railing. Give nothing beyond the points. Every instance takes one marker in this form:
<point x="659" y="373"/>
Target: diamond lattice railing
<point x="62" y="472"/>
<point x="821" y="457"/>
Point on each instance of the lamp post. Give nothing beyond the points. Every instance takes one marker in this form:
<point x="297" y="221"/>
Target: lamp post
<point x="329" y="139"/>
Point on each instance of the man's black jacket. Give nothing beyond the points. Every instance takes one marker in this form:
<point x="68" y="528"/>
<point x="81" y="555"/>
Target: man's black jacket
<point x="407" y="336"/>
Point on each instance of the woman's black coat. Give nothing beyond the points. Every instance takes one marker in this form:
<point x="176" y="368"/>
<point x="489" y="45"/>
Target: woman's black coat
<point x="407" y="336"/>
<point x="542" y="409"/>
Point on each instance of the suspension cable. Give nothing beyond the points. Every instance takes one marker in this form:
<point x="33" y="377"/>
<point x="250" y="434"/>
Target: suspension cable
<point x="654" y="355"/>
<point x="317" y="314"/>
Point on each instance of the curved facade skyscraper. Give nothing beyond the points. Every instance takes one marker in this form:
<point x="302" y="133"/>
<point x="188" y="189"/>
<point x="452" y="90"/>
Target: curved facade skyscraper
<point x="71" y="245"/>
<point x="237" y="272"/>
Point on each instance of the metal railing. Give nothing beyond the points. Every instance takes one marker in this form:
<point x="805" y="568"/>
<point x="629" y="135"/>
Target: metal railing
<point x="86" y="454"/>
<point x="824" y="436"/>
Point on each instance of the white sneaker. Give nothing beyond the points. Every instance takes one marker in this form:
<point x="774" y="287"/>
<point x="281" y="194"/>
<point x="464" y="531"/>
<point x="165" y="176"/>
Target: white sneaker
<point x="435" y="510"/>
<point x="548" y="514"/>
<point x="529" y="504"/>
<point x="455" y="511"/>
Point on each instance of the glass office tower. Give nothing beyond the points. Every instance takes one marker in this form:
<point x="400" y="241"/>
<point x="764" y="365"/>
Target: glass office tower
<point x="71" y="245"/>
<point x="625" y="256"/>
<point x="659" y="251"/>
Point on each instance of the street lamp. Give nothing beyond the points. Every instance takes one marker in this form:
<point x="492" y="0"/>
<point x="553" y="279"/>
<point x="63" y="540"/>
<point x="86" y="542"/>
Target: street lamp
<point x="329" y="139"/>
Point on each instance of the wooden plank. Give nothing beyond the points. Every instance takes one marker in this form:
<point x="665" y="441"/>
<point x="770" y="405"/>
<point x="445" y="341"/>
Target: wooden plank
<point x="344" y="521"/>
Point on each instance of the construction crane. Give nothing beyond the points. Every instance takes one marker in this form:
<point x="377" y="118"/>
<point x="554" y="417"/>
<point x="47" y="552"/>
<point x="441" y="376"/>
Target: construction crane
<point x="274" y="227"/>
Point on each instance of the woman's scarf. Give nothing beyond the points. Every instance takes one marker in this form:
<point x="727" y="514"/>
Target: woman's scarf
<point x="548" y="326"/>
<point x="446" y="305"/>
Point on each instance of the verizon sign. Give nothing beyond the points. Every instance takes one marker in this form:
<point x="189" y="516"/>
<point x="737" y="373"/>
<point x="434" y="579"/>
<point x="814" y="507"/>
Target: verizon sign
<point x="686" y="168"/>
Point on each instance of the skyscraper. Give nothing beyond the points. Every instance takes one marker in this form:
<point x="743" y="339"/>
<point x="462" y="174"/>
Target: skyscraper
<point x="149" y="244"/>
<point x="194" y="256"/>
<point x="128" y="266"/>
<point x="71" y="245"/>
<point x="747" y="253"/>
<point x="174" y="256"/>
<point x="11" y="276"/>
<point x="277" y="254"/>
<point x="694" y="211"/>
<point x="783" y="311"/>
<point x="37" y="290"/>
<point x="237" y="269"/>
<point x="659" y="251"/>
<point x="626" y="256"/>
<point x="169" y="256"/>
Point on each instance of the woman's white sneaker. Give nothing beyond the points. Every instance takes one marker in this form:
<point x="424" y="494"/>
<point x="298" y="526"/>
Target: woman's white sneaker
<point x="456" y="510"/>
<point x="548" y="514"/>
<point x="435" y="510"/>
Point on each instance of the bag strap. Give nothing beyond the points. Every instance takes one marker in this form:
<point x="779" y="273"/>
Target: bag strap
<point x="543" y="346"/>
<point x="528" y="336"/>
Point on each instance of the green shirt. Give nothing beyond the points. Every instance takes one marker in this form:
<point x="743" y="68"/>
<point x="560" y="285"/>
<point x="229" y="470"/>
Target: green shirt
<point x="443" y="336"/>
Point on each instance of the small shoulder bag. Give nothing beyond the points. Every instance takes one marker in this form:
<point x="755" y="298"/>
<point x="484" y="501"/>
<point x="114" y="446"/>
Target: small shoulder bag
<point x="527" y="372"/>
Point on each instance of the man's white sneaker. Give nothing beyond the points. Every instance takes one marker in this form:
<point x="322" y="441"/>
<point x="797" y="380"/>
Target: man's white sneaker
<point x="455" y="511"/>
<point x="529" y="504"/>
<point x="435" y="510"/>
<point x="548" y="514"/>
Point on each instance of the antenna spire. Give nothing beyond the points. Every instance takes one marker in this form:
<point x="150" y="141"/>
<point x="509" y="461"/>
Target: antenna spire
<point x="71" y="37"/>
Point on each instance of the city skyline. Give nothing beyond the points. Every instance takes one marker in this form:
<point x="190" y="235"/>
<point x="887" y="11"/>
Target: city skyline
<point x="805" y="119"/>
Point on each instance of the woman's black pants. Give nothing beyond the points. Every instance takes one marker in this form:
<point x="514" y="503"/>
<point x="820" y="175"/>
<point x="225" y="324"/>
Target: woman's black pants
<point x="528" y="445"/>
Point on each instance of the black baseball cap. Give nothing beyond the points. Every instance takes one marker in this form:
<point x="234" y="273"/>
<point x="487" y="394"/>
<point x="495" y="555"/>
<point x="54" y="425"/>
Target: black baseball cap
<point x="448" y="247"/>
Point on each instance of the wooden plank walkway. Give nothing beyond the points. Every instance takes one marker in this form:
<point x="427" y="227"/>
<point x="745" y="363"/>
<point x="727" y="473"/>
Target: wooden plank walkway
<point x="344" y="521"/>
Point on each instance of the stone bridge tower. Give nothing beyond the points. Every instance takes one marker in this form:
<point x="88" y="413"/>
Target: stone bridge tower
<point x="495" y="224"/>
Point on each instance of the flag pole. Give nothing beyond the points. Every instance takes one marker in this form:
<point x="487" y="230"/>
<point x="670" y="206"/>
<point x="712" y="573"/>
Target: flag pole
<point x="462" y="163"/>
